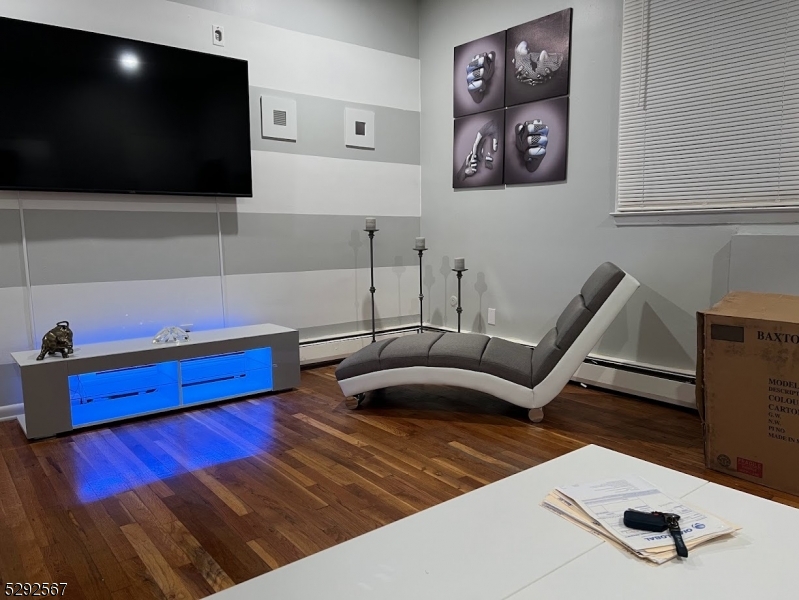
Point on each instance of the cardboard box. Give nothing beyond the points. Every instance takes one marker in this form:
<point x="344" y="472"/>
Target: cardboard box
<point x="747" y="387"/>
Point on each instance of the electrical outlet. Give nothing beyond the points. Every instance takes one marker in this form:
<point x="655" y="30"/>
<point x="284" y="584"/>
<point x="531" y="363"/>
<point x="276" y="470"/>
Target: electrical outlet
<point x="218" y="35"/>
<point x="492" y="316"/>
<point x="453" y="301"/>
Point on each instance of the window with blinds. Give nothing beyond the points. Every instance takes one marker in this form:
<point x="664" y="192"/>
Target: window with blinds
<point x="709" y="112"/>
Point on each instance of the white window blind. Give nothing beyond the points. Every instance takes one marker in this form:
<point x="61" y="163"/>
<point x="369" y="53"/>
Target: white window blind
<point x="709" y="111"/>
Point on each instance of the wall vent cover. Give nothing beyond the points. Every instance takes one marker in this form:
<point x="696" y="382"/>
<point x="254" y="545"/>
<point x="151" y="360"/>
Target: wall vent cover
<point x="359" y="129"/>
<point x="279" y="118"/>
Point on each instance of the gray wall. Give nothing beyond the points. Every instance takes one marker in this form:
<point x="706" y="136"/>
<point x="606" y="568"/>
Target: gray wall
<point x="120" y="266"/>
<point x="529" y="248"/>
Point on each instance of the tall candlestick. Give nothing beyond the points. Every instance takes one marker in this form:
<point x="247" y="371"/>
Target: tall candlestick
<point x="371" y="229"/>
<point x="460" y="268"/>
<point x="420" y="248"/>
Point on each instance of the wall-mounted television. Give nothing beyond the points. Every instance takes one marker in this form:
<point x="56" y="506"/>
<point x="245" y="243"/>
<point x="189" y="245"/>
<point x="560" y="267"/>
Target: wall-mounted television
<point x="85" y="112"/>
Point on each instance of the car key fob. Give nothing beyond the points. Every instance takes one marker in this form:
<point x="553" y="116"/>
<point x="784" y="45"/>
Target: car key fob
<point x="645" y="521"/>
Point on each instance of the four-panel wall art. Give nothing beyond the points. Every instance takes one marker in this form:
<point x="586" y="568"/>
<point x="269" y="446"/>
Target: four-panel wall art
<point x="511" y="105"/>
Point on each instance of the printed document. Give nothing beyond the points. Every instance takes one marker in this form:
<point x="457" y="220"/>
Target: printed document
<point x="605" y="502"/>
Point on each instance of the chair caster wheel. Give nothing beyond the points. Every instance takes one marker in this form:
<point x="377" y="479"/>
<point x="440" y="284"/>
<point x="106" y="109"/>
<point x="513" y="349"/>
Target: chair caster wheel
<point x="355" y="401"/>
<point x="536" y="415"/>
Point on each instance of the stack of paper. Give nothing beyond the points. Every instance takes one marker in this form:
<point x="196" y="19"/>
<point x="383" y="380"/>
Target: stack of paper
<point x="599" y="508"/>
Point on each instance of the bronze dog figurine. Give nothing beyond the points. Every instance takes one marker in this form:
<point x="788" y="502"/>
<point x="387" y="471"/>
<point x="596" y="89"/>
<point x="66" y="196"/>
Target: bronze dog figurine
<point x="58" y="339"/>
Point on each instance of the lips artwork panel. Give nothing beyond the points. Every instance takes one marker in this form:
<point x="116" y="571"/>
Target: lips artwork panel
<point x="537" y="59"/>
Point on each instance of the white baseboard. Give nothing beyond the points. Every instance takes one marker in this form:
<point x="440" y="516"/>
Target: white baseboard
<point x="12" y="411"/>
<point x="637" y="384"/>
<point x="320" y="352"/>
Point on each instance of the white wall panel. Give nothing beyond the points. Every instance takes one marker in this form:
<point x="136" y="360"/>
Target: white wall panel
<point x="279" y="59"/>
<point x="128" y="309"/>
<point x="301" y="184"/>
<point x="13" y="322"/>
<point x="314" y="298"/>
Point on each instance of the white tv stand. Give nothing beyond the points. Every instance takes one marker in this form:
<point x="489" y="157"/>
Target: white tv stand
<point x="117" y="380"/>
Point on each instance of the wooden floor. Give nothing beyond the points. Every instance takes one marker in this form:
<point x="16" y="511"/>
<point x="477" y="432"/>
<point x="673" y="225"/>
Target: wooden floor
<point x="187" y="504"/>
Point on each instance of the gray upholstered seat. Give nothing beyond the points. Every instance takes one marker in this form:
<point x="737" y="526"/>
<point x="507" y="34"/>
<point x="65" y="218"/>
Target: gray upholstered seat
<point x="470" y="351"/>
<point x="408" y="351"/>
<point x="364" y="361"/>
<point x="458" y="351"/>
<point x="507" y="361"/>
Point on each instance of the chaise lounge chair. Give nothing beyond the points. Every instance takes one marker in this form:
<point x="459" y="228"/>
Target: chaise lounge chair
<point x="524" y="376"/>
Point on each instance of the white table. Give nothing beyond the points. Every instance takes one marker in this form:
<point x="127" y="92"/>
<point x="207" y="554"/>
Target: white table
<point x="497" y="542"/>
<point x="759" y="562"/>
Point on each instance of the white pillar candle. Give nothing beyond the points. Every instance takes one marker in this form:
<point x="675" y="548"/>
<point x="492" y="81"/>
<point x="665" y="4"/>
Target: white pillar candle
<point x="420" y="243"/>
<point x="371" y="224"/>
<point x="460" y="264"/>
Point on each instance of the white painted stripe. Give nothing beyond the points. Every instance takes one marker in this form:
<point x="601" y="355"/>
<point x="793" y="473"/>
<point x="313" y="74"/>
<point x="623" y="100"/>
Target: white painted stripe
<point x="278" y="58"/>
<point x="314" y="298"/>
<point x="115" y="202"/>
<point x="300" y="184"/>
<point x="105" y="311"/>
<point x="13" y="322"/>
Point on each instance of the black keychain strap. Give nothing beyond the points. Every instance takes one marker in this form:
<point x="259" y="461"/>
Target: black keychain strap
<point x="674" y="530"/>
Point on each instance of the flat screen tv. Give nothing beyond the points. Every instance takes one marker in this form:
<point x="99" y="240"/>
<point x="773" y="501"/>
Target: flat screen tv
<point x="86" y="112"/>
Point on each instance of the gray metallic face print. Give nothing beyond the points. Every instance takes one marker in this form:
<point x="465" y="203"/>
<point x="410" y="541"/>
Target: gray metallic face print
<point x="532" y="69"/>
<point x="479" y="72"/>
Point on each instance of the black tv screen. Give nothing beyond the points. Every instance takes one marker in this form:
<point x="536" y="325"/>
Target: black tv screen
<point x="81" y="111"/>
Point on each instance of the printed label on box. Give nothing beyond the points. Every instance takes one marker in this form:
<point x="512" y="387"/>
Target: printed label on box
<point x="750" y="467"/>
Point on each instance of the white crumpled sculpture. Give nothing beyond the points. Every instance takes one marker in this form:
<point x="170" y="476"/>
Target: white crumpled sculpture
<point x="171" y="334"/>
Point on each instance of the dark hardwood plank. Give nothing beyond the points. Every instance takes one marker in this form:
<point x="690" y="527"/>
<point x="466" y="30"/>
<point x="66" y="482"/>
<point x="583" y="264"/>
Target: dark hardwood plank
<point x="184" y="505"/>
